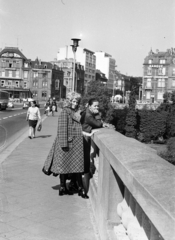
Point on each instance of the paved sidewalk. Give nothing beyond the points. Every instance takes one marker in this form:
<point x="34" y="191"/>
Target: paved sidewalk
<point x="30" y="208"/>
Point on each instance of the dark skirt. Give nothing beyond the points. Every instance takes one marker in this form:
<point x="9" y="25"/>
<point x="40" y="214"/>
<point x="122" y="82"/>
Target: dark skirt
<point x="87" y="149"/>
<point x="33" y="123"/>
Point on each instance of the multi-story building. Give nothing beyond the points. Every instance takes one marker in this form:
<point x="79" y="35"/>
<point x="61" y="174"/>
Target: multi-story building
<point x="158" y="75"/>
<point x="67" y="66"/>
<point x="101" y="77"/>
<point x="46" y="80"/>
<point x="106" y="64"/>
<point x="24" y="78"/>
<point x="15" y="73"/>
<point x="85" y="57"/>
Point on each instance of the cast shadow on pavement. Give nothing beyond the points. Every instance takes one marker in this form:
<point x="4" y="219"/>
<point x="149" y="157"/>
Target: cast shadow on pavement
<point x="56" y="187"/>
<point x="43" y="136"/>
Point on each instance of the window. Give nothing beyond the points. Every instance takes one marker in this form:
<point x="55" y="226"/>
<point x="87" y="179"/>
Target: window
<point x="10" y="65"/>
<point x="148" y="95"/>
<point x="161" y="82"/>
<point x="26" y="65"/>
<point x="44" y="94"/>
<point x="17" y="64"/>
<point x="161" y="71"/>
<point x="149" y="71"/>
<point x="17" y="84"/>
<point x="14" y="64"/>
<point x="162" y="61"/>
<point x="17" y="74"/>
<point x="25" y="84"/>
<point x="44" y="84"/>
<point x="35" y="74"/>
<point x="25" y="74"/>
<point x="148" y="83"/>
<point x="150" y="61"/>
<point x="173" y="83"/>
<point x="35" y="93"/>
<point x="35" y="83"/>
<point x="160" y="95"/>
<point x="9" y="83"/>
<point x="2" y="83"/>
<point x="68" y="73"/>
<point x="3" y="63"/>
<point x="10" y="73"/>
<point x="3" y="73"/>
<point x="57" y="83"/>
<point x="173" y="71"/>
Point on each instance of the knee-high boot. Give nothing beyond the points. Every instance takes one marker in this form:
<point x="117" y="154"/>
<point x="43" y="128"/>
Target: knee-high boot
<point x="81" y="191"/>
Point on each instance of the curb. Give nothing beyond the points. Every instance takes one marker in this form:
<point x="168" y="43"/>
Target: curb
<point x="10" y="148"/>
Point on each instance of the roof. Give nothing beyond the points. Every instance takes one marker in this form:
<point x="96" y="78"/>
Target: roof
<point x="87" y="50"/>
<point x="12" y="50"/>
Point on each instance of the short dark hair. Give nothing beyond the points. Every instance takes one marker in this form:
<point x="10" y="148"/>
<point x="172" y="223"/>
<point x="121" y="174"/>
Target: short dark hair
<point x="92" y="100"/>
<point x="34" y="102"/>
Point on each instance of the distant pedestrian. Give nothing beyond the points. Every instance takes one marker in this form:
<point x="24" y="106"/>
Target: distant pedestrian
<point x="66" y="155"/>
<point x="47" y="108"/>
<point x="33" y="116"/>
<point x="53" y="108"/>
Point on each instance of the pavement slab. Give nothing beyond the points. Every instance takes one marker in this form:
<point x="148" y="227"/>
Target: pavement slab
<point x="30" y="208"/>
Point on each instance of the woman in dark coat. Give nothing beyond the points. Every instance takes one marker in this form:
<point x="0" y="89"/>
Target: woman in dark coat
<point x="90" y="120"/>
<point x="66" y="155"/>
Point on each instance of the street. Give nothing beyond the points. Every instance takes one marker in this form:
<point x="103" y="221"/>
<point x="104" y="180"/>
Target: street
<point x="12" y="124"/>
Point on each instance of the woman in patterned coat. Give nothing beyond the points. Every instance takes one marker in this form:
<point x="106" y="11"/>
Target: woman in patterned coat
<point x="66" y="155"/>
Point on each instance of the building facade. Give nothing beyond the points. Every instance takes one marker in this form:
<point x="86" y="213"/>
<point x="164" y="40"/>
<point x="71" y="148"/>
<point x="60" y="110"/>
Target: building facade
<point x="106" y="64"/>
<point x="158" y="75"/>
<point x="24" y="78"/>
<point x="15" y="73"/>
<point x="67" y="67"/>
<point x="85" y="57"/>
<point x="46" y="80"/>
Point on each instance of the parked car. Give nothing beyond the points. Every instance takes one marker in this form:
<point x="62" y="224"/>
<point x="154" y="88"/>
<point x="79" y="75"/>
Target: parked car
<point x="26" y="105"/>
<point x="10" y="105"/>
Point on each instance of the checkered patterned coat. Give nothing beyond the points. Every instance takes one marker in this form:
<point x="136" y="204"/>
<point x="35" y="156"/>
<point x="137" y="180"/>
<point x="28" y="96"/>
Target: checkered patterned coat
<point x="69" y="134"/>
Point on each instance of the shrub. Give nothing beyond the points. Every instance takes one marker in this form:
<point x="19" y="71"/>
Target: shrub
<point x="117" y="117"/>
<point x="152" y="124"/>
<point x="131" y="120"/>
<point x="169" y="155"/>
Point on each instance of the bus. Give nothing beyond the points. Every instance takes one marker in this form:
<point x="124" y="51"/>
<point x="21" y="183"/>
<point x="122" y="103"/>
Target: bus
<point x="4" y="98"/>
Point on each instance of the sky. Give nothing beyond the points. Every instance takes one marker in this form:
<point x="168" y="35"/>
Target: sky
<point x="125" y="29"/>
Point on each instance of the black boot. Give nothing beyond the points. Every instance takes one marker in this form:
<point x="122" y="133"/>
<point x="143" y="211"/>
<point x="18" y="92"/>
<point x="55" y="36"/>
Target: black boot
<point x="63" y="190"/>
<point x="73" y="187"/>
<point x="81" y="191"/>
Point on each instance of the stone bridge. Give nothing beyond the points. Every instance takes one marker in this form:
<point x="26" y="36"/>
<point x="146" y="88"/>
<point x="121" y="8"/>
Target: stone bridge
<point x="132" y="191"/>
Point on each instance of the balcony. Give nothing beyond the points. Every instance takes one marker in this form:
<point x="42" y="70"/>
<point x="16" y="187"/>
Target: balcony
<point x="131" y="198"/>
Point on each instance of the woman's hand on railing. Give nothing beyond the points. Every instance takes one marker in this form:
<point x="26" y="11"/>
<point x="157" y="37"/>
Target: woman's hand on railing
<point x="108" y="125"/>
<point x="90" y="134"/>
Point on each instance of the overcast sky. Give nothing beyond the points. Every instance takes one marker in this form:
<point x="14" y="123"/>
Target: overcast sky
<point x="126" y="29"/>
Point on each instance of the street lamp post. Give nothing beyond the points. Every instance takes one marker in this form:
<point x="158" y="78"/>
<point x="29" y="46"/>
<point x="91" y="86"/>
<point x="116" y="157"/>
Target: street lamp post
<point x="74" y="49"/>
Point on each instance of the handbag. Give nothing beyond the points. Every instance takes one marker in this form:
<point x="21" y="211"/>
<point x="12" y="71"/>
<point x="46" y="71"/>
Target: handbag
<point x="39" y="126"/>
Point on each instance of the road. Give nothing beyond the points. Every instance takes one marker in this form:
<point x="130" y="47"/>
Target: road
<point x="13" y="124"/>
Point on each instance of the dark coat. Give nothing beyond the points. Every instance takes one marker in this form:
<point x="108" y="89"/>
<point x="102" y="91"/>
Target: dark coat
<point x="89" y="121"/>
<point x="69" y="135"/>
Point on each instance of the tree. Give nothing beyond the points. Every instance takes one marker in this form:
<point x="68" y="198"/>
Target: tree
<point x="98" y="90"/>
<point x="131" y="121"/>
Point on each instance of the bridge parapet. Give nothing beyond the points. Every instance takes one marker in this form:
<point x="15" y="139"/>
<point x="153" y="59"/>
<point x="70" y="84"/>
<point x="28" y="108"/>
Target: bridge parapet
<point x="133" y="190"/>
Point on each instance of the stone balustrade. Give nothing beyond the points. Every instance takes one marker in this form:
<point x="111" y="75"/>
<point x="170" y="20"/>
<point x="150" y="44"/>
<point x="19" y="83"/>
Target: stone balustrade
<point x="133" y="190"/>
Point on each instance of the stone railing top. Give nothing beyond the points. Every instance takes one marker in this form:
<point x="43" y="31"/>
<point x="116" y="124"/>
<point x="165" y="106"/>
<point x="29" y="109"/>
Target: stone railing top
<point x="149" y="178"/>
